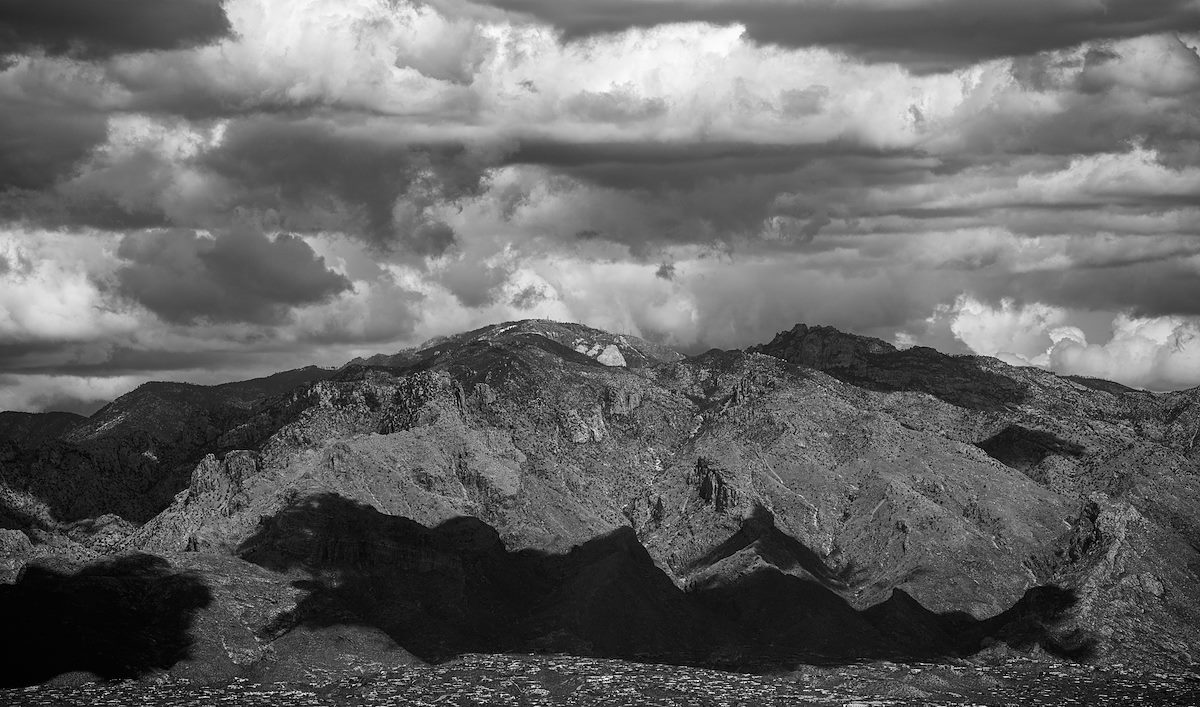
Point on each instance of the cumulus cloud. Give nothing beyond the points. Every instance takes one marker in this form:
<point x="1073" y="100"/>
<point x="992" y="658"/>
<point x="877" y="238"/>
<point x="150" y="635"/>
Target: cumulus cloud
<point x="239" y="276"/>
<point x="1157" y="353"/>
<point x="48" y="296"/>
<point x="1007" y="331"/>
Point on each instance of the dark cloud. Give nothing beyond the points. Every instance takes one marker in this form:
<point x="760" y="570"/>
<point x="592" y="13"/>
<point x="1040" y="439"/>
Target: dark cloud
<point x="929" y="36"/>
<point x="716" y="192"/>
<point x="238" y="276"/>
<point x="1090" y="124"/>
<point x="710" y="194"/>
<point x="287" y="175"/>
<point x="39" y="144"/>
<point x="316" y="175"/>
<point x="474" y="284"/>
<point x="88" y="29"/>
<point x="665" y="271"/>
<point x="123" y="360"/>
<point x="178" y="84"/>
<point x="56" y="401"/>
<point x="1150" y="288"/>
<point x="93" y="358"/>
<point x="528" y="297"/>
<point x="684" y="163"/>
<point x="48" y="354"/>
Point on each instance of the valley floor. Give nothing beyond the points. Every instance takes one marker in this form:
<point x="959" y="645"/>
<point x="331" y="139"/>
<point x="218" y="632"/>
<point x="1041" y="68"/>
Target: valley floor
<point x="495" y="680"/>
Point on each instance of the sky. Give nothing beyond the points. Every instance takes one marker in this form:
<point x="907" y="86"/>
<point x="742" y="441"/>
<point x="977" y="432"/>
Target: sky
<point x="208" y="190"/>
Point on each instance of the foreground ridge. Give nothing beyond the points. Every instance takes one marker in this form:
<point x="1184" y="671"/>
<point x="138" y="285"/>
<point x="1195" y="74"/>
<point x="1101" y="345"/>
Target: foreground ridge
<point x="545" y="680"/>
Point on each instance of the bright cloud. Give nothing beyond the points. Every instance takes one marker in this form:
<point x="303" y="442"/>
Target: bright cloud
<point x="1158" y="353"/>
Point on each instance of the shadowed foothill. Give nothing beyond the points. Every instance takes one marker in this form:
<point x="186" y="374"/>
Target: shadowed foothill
<point x="1023" y="448"/>
<point x="122" y="618"/>
<point x="452" y="589"/>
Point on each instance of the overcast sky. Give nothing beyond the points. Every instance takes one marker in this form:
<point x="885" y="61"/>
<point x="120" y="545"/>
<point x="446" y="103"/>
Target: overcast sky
<point x="206" y="191"/>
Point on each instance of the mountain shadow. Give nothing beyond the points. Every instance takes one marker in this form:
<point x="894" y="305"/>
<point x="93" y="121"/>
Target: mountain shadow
<point x="122" y="618"/>
<point x="780" y="550"/>
<point x="1023" y="448"/>
<point x="452" y="589"/>
<point x="791" y="603"/>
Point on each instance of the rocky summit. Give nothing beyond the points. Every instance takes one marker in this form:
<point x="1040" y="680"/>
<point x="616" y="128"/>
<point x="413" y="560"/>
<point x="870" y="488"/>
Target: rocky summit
<point x="541" y="487"/>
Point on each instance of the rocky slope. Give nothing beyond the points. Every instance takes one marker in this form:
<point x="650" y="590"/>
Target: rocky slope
<point x="544" y="486"/>
<point x="130" y="458"/>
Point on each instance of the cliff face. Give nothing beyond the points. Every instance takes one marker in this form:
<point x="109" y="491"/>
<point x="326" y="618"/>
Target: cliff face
<point x="819" y="485"/>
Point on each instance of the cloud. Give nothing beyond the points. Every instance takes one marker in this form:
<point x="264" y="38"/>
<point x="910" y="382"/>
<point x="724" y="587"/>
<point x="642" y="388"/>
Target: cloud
<point x="296" y="175"/>
<point x="926" y="35"/>
<point x="143" y="174"/>
<point x="81" y="395"/>
<point x="1158" y="353"/>
<point x="316" y="175"/>
<point x="236" y="276"/>
<point x="474" y="283"/>
<point x="528" y="297"/>
<point x="40" y="144"/>
<point x="614" y="106"/>
<point x="1008" y="330"/>
<point x="92" y="30"/>
<point x="48" y="296"/>
<point x="1155" y="288"/>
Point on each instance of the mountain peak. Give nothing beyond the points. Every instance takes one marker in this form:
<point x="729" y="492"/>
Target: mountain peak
<point x="822" y="347"/>
<point x="614" y="350"/>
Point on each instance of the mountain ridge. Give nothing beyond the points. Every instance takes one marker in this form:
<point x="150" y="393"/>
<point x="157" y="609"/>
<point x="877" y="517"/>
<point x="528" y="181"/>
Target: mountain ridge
<point x="888" y="486"/>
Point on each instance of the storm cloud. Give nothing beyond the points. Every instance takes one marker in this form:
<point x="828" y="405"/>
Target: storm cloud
<point x="183" y="276"/>
<point x="39" y="144"/>
<point x="91" y="30"/>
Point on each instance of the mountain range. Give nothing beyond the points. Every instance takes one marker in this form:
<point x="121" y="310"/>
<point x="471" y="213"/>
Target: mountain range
<point x="539" y="486"/>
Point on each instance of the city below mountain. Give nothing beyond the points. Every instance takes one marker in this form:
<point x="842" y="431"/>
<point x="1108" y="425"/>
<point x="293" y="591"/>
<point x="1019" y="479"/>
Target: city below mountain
<point x="537" y="487"/>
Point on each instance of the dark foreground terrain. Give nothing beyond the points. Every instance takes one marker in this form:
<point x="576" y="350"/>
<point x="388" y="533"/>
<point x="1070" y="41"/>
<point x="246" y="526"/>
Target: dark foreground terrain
<point x="534" y="680"/>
